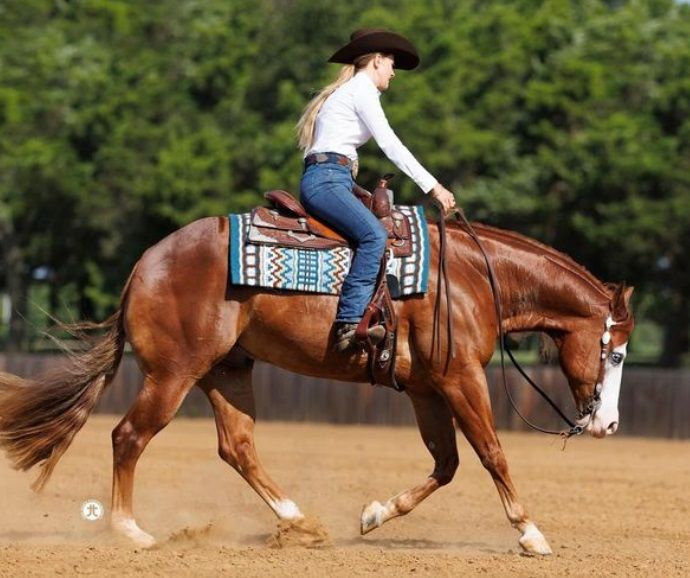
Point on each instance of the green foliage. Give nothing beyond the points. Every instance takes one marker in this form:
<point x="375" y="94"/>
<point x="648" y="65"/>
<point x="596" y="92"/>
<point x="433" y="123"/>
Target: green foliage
<point x="121" y="121"/>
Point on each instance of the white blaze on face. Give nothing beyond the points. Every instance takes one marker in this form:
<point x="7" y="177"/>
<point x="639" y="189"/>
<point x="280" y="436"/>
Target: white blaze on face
<point x="605" y="420"/>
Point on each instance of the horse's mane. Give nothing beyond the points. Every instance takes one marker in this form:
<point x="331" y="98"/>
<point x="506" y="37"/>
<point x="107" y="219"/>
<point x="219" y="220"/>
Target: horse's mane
<point x="560" y="259"/>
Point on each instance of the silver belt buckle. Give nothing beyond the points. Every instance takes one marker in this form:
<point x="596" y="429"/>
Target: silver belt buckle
<point x="354" y="168"/>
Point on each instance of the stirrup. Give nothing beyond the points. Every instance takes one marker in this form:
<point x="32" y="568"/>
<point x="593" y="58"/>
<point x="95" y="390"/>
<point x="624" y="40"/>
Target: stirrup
<point x="345" y="336"/>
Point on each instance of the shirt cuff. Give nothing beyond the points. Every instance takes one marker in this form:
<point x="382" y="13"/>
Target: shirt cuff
<point x="426" y="183"/>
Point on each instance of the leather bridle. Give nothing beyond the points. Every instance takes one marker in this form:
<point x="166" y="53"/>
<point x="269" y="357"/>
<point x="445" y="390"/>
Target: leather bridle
<point x="590" y="405"/>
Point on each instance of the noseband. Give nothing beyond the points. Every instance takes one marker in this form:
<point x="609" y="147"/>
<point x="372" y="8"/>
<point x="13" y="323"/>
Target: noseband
<point x="591" y="404"/>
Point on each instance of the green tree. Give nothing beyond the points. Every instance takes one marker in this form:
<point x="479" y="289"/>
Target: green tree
<point x="121" y="121"/>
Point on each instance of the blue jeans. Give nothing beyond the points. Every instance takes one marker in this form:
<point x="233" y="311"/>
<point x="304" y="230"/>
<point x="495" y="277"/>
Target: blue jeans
<point x="326" y="192"/>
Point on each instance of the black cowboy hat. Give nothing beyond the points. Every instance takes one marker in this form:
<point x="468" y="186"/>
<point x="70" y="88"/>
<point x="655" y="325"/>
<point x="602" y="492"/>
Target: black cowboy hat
<point x="368" y="40"/>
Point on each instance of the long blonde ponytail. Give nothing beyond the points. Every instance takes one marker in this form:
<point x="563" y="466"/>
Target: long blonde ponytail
<point x="305" y="126"/>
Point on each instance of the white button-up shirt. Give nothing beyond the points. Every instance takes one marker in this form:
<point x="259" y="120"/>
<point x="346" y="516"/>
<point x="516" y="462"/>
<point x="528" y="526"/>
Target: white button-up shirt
<point x="351" y="116"/>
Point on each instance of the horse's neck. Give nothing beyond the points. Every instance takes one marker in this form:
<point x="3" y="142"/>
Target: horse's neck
<point x="541" y="289"/>
<point x="548" y="296"/>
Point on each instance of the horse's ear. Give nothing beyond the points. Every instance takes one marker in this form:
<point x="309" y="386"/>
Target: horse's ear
<point x="621" y="301"/>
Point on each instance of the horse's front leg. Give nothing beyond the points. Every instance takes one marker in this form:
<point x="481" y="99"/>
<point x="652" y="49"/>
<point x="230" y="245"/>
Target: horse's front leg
<point x="468" y="396"/>
<point x="436" y="426"/>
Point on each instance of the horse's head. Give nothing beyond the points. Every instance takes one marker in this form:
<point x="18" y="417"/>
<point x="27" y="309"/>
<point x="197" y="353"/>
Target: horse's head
<point x="592" y="357"/>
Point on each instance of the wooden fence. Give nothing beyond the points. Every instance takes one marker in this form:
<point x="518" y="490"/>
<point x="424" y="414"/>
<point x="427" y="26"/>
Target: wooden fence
<point x="653" y="402"/>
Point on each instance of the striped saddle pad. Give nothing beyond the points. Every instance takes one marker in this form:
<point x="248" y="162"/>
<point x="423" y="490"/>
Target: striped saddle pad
<point x="322" y="270"/>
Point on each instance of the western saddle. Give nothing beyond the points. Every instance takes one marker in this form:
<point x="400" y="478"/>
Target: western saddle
<point x="287" y="224"/>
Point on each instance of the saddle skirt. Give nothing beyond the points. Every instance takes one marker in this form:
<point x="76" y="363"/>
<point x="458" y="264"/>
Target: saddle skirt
<point x="288" y="224"/>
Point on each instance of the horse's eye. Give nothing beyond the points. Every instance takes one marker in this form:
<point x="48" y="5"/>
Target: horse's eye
<point x="616" y="357"/>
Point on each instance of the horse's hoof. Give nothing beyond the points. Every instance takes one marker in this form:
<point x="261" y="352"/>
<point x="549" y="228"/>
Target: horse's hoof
<point x="534" y="543"/>
<point x="372" y="517"/>
<point x="128" y="528"/>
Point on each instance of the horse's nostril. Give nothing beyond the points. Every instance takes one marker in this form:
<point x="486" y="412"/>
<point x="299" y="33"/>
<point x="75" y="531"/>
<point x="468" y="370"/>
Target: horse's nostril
<point x="613" y="426"/>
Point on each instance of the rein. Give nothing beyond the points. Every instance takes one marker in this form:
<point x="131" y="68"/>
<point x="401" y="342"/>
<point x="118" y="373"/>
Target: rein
<point x="443" y="279"/>
<point x="592" y="404"/>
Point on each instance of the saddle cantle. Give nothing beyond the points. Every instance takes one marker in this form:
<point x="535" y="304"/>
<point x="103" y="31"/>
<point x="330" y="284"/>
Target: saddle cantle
<point x="288" y="224"/>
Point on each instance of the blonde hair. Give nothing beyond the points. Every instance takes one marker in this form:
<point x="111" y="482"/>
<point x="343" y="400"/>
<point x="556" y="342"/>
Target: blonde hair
<point x="307" y="122"/>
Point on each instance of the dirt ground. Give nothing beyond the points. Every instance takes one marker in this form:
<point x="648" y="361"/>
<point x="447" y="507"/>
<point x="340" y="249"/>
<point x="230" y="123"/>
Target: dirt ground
<point x="614" y="507"/>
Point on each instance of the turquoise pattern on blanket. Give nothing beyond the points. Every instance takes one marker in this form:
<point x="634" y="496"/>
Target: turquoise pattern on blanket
<point x="321" y="271"/>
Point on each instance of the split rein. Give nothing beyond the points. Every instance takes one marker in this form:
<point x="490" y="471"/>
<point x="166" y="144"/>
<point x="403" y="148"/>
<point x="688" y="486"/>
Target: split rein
<point x="592" y="405"/>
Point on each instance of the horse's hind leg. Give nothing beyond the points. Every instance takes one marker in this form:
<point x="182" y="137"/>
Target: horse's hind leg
<point x="155" y="405"/>
<point x="468" y="396"/>
<point x="436" y="426"/>
<point x="232" y="397"/>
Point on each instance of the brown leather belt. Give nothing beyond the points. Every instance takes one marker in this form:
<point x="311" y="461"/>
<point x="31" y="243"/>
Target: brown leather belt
<point x="318" y="158"/>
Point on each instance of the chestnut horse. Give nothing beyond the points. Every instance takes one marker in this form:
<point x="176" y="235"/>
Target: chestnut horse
<point x="185" y="325"/>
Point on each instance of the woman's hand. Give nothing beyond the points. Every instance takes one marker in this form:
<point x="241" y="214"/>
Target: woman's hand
<point x="443" y="197"/>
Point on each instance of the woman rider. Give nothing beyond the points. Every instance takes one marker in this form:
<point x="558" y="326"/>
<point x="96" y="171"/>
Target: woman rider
<point x="341" y="118"/>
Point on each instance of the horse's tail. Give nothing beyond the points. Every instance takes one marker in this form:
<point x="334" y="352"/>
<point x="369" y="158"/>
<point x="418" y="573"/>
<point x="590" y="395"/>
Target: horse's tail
<point x="40" y="417"/>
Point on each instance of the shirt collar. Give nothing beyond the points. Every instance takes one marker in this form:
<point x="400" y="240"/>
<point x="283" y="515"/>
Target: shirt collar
<point x="367" y="79"/>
